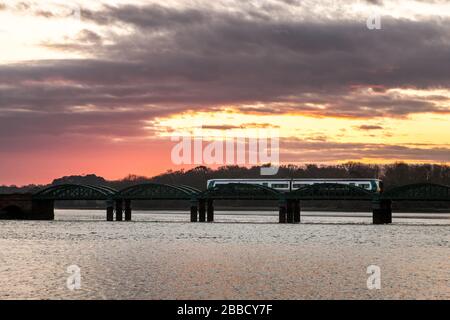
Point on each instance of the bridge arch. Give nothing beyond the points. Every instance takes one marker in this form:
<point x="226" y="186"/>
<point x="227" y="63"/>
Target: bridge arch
<point x="241" y="191"/>
<point x="330" y="191"/>
<point x="156" y="191"/>
<point x="190" y="189"/>
<point x="75" y="192"/>
<point x="418" y="192"/>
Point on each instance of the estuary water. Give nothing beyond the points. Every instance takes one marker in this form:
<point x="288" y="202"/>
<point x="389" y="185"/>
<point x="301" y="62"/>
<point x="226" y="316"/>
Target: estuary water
<point x="243" y="255"/>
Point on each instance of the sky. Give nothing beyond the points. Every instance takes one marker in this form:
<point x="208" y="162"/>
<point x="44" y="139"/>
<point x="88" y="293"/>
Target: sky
<point x="102" y="86"/>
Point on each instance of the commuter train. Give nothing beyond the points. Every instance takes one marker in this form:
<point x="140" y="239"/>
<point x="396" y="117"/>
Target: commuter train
<point x="286" y="185"/>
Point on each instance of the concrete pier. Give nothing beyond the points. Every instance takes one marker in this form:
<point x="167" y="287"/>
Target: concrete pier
<point x="202" y="210"/>
<point x="42" y="210"/>
<point x="119" y="210"/>
<point x="194" y="211"/>
<point x="24" y="207"/>
<point x="382" y="211"/>
<point x="127" y="210"/>
<point x="297" y="211"/>
<point x="109" y="210"/>
<point x="290" y="211"/>
<point x="282" y="212"/>
<point x="210" y="211"/>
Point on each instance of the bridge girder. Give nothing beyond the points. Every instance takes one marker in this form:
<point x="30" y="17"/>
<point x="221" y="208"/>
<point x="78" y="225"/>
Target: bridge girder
<point x="156" y="191"/>
<point x="243" y="191"/>
<point x="75" y="192"/>
<point x="418" y="192"/>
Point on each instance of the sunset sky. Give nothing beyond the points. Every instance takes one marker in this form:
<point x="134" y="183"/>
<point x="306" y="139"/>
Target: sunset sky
<point x="101" y="86"/>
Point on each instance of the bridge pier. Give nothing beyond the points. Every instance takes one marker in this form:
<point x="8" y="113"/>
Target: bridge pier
<point x="24" y="207"/>
<point x="382" y="211"/>
<point x="290" y="211"/>
<point x="210" y="210"/>
<point x="127" y="210"/>
<point x="119" y="210"/>
<point x="297" y="211"/>
<point x="202" y="210"/>
<point x="282" y="212"/>
<point x="43" y="210"/>
<point x="109" y="210"/>
<point x="194" y="211"/>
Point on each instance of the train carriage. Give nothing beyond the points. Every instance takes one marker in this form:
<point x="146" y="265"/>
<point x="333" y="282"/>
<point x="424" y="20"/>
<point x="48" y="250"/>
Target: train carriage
<point x="286" y="185"/>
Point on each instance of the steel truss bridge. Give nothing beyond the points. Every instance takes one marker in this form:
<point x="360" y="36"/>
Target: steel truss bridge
<point x="118" y="202"/>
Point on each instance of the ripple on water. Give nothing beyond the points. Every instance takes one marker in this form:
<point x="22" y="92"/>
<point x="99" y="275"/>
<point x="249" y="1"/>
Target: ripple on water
<point x="164" y="257"/>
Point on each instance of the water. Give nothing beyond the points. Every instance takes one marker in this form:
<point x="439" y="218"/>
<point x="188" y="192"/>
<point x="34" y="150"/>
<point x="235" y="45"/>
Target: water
<point x="241" y="256"/>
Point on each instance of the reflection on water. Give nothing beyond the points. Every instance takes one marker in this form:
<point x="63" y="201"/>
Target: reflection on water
<point x="241" y="256"/>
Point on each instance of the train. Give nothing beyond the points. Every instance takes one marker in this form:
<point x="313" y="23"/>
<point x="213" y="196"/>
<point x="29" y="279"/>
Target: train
<point x="286" y="185"/>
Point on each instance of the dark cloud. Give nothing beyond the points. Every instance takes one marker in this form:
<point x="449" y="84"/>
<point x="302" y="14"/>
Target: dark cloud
<point x="178" y="59"/>
<point x="235" y="61"/>
<point x="370" y="127"/>
<point x="220" y="127"/>
<point x="376" y="2"/>
<point x="243" y="126"/>
<point x="150" y="16"/>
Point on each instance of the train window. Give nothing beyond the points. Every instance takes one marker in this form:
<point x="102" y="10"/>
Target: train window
<point x="265" y="184"/>
<point x="298" y="185"/>
<point x="280" y="185"/>
<point x="364" y="185"/>
<point x="352" y="184"/>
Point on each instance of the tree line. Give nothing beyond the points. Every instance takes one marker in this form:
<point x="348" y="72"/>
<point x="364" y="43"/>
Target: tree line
<point x="393" y="175"/>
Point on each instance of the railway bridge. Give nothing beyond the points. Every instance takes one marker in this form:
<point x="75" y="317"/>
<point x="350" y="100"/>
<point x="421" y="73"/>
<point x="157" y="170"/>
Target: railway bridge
<point x="118" y="203"/>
